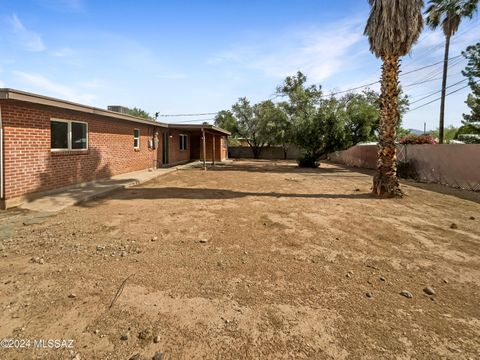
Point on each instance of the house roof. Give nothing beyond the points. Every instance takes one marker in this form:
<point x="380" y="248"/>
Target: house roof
<point x="190" y="127"/>
<point x="18" y="95"/>
<point x="45" y="100"/>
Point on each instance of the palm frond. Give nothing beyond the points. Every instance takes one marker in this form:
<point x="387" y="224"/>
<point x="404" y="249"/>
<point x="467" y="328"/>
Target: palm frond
<point x="394" y="26"/>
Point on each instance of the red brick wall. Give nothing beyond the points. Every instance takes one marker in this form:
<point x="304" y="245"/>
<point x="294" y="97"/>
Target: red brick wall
<point x="175" y="155"/>
<point x="30" y="166"/>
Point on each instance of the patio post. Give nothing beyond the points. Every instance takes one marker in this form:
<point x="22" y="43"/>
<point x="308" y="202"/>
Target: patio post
<point x="213" y="150"/>
<point x="204" y="150"/>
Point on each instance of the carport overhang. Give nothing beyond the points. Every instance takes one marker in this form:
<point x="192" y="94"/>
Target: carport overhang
<point x="203" y="129"/>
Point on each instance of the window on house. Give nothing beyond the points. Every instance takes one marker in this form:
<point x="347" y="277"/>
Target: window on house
<point x="183" y="142"/>
<point x="136" y="138"/>
<point x="79" y="135"/>
<point x="68" y="135"/>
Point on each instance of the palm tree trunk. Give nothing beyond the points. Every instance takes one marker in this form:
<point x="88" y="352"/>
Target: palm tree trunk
<point x="385" y="182"/>
<point x="441" y="125"/>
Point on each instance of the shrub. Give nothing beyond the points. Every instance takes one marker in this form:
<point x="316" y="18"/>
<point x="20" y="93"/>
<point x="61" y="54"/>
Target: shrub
<point x="412" y="139"/>
<point x="469" y="138"/>
<point x="308" y="161"/>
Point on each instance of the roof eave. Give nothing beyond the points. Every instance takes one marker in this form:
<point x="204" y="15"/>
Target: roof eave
<point x="18" y="95"/>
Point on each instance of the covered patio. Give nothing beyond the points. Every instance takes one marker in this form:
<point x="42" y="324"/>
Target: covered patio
<point x="206" y="143"/>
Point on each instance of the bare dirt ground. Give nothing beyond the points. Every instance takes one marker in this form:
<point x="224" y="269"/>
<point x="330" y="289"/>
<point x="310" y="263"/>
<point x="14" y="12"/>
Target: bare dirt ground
<point x="252" y="260"/>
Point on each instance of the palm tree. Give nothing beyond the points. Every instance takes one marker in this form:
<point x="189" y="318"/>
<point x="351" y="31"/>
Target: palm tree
<point x="448" y="14"/>
<point x="392" y="28"/>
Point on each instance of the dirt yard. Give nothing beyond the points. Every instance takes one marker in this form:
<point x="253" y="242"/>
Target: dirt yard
<point x="252" y="260"/>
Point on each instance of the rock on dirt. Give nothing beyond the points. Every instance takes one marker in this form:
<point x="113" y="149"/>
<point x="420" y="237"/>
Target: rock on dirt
<point x="203" y="241"/>
<point x="144" y="334"/>
<point x="124" y="337"/>
<point x="369" y="294"/>
<point x="72" y="296"/>
<point x="406" y="293"/>
<point x="37" y="260"/>
<point x="158" y="356"/>
<point x="156" y="339"/>
<point x="429" y="291"/>
<point x="453" y="226"/>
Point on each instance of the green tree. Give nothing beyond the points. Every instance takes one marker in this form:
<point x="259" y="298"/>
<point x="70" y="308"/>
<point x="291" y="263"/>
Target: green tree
<point x="319" y="132"/>
<point x="139" y="113"/>
<point x="361" y="112"/>
<point x="225" y="120"/>
<point x="448" y="14"/>
<point x="254" y="123"/>
<point x="392" y="29"/>
<point x="471" y="122"/>
<point x="449" y="133"/>
<point x="301" y="99"/>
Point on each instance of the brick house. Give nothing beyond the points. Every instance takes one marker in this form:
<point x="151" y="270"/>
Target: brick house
<point x="47" y="143"/>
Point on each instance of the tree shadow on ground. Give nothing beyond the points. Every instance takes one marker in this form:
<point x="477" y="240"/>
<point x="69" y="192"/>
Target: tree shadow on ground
<point x="214" y="194"/>
<point x="283" y="166"/>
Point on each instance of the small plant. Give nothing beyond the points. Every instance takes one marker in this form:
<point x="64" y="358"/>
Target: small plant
<point x="308" y="161"/>
<point x="412" y="139"/>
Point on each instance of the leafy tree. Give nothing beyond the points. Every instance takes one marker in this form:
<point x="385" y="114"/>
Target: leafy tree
<point x="471" y="122"/>
<point x="254" y="123"/>
<point x="448" y="14"/>
<point x="402" y="132"/>
<point x="282" y="128"/>
<point x="319" y="132"/>
<point x="392" y="29"/>
<point x="301" y="99"/>
<point x="225" y="120"/>
<point x="139" y="113"/>
<point x="361" y="114"/>
<point x="449" y="133"/>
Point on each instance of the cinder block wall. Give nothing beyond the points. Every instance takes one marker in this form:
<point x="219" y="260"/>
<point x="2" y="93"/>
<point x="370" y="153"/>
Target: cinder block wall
<point x="30" y="165"/>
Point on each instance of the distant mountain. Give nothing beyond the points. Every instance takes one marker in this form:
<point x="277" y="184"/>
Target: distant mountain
<point x="416" y="131"/>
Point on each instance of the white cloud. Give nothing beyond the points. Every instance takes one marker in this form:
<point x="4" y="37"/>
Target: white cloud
<point x="30" y="40"/>
<point x="318" y="52"/>
<point x="44" y="85"/>
<point x="63" y="52"/>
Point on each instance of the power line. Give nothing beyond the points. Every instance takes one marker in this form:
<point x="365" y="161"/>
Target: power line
<point x="340" y="92"/>
<point x="432" y="101"/>
<point x="427" y="66"/>
<point x="402" y="74"/>
<point x="436" y="92"/>
<point x="181" y="115"/>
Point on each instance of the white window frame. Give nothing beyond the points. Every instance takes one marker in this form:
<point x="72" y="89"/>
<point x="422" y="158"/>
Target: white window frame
<point x="136" y="138"/>
<point x="185" y="147"/>
<point x="69" y="135"/>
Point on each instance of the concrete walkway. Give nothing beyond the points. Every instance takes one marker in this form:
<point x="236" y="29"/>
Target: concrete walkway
<point x="58" y="200"/>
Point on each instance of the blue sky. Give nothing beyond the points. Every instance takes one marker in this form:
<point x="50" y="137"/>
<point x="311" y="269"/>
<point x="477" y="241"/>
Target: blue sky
<point x="200" y="56"/>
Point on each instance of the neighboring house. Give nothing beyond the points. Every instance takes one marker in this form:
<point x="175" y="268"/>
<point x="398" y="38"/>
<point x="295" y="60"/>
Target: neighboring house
<point x="47" y="144"/>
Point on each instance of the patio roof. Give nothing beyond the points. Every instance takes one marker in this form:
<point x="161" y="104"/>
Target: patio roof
<point x="193" y="127"/>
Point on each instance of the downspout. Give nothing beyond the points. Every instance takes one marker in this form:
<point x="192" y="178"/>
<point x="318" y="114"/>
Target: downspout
<point x="2" y="191"/>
